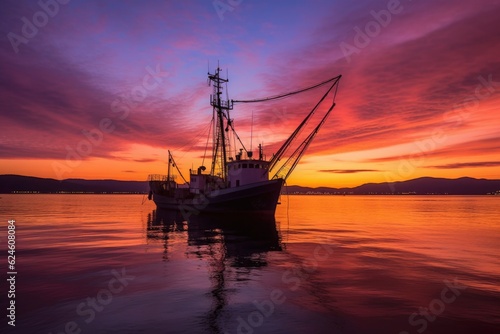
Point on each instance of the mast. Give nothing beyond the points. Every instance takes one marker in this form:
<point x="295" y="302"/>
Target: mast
<point x="168" y="172"/>
<point x="221" y="111"/>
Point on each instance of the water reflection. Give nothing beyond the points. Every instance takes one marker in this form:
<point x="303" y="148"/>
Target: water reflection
<point x="233" y="247"/>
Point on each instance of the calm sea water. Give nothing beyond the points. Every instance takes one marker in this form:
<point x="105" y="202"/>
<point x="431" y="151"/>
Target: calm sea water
<point x="325" y="264"/>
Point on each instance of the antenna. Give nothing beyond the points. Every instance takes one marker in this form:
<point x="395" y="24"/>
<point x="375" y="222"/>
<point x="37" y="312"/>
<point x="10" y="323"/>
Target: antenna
<point x="251" y="134"/>
<point x="209" y="82"/>
<point x="227" y="90"/>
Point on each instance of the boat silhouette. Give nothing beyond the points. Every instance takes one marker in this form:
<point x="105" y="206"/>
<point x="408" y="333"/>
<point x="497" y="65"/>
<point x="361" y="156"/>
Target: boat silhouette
<point x="241" y="183"/>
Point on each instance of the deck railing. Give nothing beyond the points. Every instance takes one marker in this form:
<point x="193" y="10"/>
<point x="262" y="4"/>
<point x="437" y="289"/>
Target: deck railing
<point x="160" y="177"/>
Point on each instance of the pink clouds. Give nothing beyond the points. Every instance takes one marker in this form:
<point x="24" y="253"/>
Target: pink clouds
<point x="415" y="76"/>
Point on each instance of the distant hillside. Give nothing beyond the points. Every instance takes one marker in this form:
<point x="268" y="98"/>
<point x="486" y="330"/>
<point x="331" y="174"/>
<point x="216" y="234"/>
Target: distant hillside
<point x="23" y="184"/>
<point x="420" y="186"/>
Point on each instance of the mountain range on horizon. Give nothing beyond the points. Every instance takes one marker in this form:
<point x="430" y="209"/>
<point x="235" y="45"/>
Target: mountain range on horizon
<point x="421" y="186"/>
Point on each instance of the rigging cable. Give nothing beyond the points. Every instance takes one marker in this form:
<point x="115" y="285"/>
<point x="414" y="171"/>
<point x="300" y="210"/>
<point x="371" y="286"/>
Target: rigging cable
<point x="171" y="157"/>
<point x="238" y="137"/>
<point x="208" y="138"/>
<point x="287" y="212"/>
<point x="275" y="97"/>
<point x="281" y="151"/>
<point x="299" y="151"/>
<point x="192" y="143"/>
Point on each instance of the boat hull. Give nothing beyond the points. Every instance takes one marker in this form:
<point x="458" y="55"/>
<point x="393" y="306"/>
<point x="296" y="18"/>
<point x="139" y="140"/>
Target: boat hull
<point x="256" y="198"/>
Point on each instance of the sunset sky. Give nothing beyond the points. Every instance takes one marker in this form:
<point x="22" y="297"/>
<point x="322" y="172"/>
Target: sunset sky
<point x="101" y="89"/>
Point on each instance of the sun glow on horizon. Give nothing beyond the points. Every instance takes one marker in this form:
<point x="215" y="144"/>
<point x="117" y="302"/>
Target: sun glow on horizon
<point x="398" y="116"/>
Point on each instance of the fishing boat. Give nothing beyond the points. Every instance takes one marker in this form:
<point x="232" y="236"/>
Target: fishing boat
<point x="238" y="182"/>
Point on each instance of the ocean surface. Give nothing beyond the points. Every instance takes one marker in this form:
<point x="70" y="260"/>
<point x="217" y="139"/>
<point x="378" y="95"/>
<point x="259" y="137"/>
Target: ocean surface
<point x="325" y="264"/>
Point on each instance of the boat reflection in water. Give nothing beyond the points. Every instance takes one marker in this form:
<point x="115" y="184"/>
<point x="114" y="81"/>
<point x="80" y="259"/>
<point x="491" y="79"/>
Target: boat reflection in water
<point x="233" y="247"/>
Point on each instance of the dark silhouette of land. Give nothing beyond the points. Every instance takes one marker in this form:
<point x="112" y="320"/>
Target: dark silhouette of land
<point x="28" y="184"/>
<point x="421" y="186"/>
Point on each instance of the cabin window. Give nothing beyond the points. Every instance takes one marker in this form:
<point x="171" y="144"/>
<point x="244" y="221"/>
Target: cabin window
<point x="250" y="166"/>
<point x="245" y="166"/>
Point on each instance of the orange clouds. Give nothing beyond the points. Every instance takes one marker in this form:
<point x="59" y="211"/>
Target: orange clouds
<point x="421" y="99"/>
